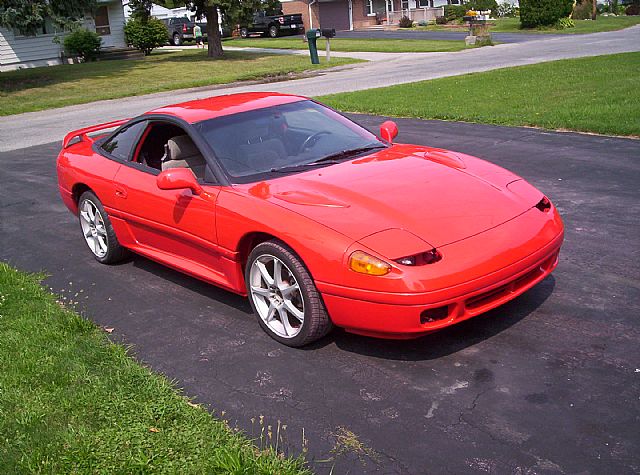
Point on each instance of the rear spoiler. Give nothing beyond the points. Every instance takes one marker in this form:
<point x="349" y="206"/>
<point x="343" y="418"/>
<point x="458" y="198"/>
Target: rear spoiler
<point x="82" y="133"/>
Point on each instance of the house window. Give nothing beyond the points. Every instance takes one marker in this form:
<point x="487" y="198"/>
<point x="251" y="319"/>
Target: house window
<point x="102" y="21"/>
<point x="390" y="6"/>
<point x="423" y="3"/>
<point x="405" y="4"/>
<point x="368" y="8"/>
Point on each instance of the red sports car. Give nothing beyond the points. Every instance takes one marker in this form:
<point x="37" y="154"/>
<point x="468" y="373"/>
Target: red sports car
<point x="317" y="220"/>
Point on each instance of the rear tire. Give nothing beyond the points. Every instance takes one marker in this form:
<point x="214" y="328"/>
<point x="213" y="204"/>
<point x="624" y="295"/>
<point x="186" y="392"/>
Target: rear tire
<point x="177" y="41"/>
<point x="284" y="297"/>
<point x="244" y="33"/>
<point x="97" y="230"/>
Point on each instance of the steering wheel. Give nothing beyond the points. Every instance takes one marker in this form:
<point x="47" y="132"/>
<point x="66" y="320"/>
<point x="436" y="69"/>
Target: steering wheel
<point x="312" y="140"/>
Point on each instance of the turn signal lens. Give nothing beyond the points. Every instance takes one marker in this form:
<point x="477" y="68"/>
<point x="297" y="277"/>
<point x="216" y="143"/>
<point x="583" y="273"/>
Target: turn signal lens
<point x="365" y="264"/>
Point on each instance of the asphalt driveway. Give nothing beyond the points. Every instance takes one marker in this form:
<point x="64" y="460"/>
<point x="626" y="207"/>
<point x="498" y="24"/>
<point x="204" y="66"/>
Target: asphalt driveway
<point x="549" y="383"/>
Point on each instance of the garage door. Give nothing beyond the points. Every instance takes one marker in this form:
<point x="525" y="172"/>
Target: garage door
<point x="334" y="15"/>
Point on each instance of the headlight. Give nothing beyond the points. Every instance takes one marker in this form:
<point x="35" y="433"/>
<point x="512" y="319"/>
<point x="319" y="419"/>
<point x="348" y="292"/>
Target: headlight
<point x="429" y="257"/>
<point x="366" y="264"/>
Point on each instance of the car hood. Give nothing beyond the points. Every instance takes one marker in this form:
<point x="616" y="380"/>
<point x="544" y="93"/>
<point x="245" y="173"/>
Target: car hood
<point x="434" y="194"/>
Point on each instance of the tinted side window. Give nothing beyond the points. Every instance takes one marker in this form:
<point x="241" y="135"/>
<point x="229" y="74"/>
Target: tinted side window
<point x="121" y="144"/>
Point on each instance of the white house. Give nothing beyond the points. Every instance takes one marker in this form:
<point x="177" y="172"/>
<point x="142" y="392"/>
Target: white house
<point x="19" y="51"/>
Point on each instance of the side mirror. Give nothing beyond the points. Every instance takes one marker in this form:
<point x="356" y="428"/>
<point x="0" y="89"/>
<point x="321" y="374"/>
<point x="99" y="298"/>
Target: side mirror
<point x="178" y="179"/>
<point x="388" y="130"/>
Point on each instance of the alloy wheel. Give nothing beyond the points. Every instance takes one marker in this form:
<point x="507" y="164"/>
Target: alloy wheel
<point x="277" y="296"/>
<point x="93" y="228"/>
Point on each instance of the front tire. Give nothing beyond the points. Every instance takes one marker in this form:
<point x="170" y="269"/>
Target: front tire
<point x="97" y="230"/>
<point x="282" y="294"/>
<point x="244" y="33"/>
<point x="273" y="31"/>
<point x="177" y="41"/>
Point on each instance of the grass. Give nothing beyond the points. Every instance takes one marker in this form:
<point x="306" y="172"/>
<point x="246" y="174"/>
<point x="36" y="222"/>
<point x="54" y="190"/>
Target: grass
<point x="597" y="94"/>
<point x="353" y="45"/>
<point x="57" y="86"/>
<point x="512" y="25"/>
<point x="73" y="402"/>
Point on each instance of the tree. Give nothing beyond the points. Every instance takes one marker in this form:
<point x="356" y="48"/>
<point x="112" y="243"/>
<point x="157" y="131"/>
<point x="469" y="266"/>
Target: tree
<point x="28" y="16"/>
<point x="145" y="35"/>
<point x="140" y="10"/>
<point x="234" y="11"/>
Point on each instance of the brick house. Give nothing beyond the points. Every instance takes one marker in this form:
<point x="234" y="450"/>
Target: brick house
<point x="361" y="14"/>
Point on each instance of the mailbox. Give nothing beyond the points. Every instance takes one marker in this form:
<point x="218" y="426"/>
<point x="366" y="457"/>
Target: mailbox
<point x="329" y="32"/>
<point x="312" y="35"/>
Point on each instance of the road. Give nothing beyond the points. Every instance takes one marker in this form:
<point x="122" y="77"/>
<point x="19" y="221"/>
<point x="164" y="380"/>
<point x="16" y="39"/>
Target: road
<point x="37" y="128"/>
<point x="549" y="383"/>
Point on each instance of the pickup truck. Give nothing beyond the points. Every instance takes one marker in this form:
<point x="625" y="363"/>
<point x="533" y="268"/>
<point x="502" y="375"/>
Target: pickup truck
<point x="273" y="25"/>
<point x="181" y="29"/>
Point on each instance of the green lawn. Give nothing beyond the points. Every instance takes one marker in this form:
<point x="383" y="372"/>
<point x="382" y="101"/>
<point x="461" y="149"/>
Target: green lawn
<point x="45" y="88"/>
<point x="73" y="402"/>
<point x="512" y="25"/>
<point x="598" y="94"/>
<point x="352" y="45"/>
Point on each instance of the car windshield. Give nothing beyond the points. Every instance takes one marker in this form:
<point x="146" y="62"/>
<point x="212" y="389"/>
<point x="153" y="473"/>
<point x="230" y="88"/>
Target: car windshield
<point x="287" y="138"/>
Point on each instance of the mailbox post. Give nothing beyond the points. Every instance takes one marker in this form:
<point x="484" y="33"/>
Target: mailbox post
<point x="328" y="33"/>
<point x="312" y="36"/>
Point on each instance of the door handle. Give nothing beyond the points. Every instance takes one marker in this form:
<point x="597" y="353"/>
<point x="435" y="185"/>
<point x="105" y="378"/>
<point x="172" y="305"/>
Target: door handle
<point x="121" y="191"/>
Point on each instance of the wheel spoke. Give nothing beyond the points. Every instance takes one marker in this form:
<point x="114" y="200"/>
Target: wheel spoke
<point x="90" y="211"/>
<point x="293" y="310"/>
<point x="286" y="290"/>
<point x="271" y="313"/>
<point x="102" y="243"/>
<point x="85" y="216"/>
<point x="264" y="272"/>
<point x="284" y="318"/>
<point x="277" y="272"/>
<point x="261" y="291"/>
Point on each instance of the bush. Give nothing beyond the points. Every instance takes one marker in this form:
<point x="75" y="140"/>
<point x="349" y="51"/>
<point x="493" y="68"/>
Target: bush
<point x="146" y="36"/>
<point x="482" y="5"/>
<point x="534" y="13"/>
<point x="582" y="10"/>
<point x="506" y="10"/>
<point x="564" y="23"/>
<point x="405" y="22"/>
<point x="83" y="43"/>
<point x="633" y="10"/>
<point x="441" y="20"/>
<point x="454" y="12"/>
<point x="423" y="23"/>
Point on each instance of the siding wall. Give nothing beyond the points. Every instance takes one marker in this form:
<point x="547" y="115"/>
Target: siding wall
<point x="32" y="51"/>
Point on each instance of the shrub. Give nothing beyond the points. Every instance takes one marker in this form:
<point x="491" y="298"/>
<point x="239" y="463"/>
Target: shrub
<point x="582" y="10"/>
<point x="534" y="13"/>
<point x="441" y="20"/>
<point x="146" y="36"/>
<point x="454" y="12"/>
<point x="423" y="23"/>
<point x="405" y="22"/>
<point x="83" y="43"/>
<point x="633" y="10"/>
<point x="564" y="23"/>
<point x="482" y="5"/>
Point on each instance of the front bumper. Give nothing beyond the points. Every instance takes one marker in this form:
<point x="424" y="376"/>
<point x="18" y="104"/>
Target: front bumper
<point x="408" y="314"/>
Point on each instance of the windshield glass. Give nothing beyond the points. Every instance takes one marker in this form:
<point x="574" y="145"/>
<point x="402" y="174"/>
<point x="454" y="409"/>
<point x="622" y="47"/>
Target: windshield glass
<point x="286" y="138"/>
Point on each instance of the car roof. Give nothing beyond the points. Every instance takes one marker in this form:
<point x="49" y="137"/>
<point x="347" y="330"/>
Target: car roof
<point x="218" y="106"/>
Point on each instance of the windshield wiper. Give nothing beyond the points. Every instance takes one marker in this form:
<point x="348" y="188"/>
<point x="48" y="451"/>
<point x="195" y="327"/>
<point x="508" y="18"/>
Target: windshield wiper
<point x="330" y="159"/>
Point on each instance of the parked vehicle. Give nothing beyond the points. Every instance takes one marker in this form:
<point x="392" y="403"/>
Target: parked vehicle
<point x="181" y="29"/>
<point x="317" y="220"/>
<point x="273" y="25"/>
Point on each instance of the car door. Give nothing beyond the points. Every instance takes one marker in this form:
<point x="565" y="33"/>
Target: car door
<point x="176" y="227"/>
